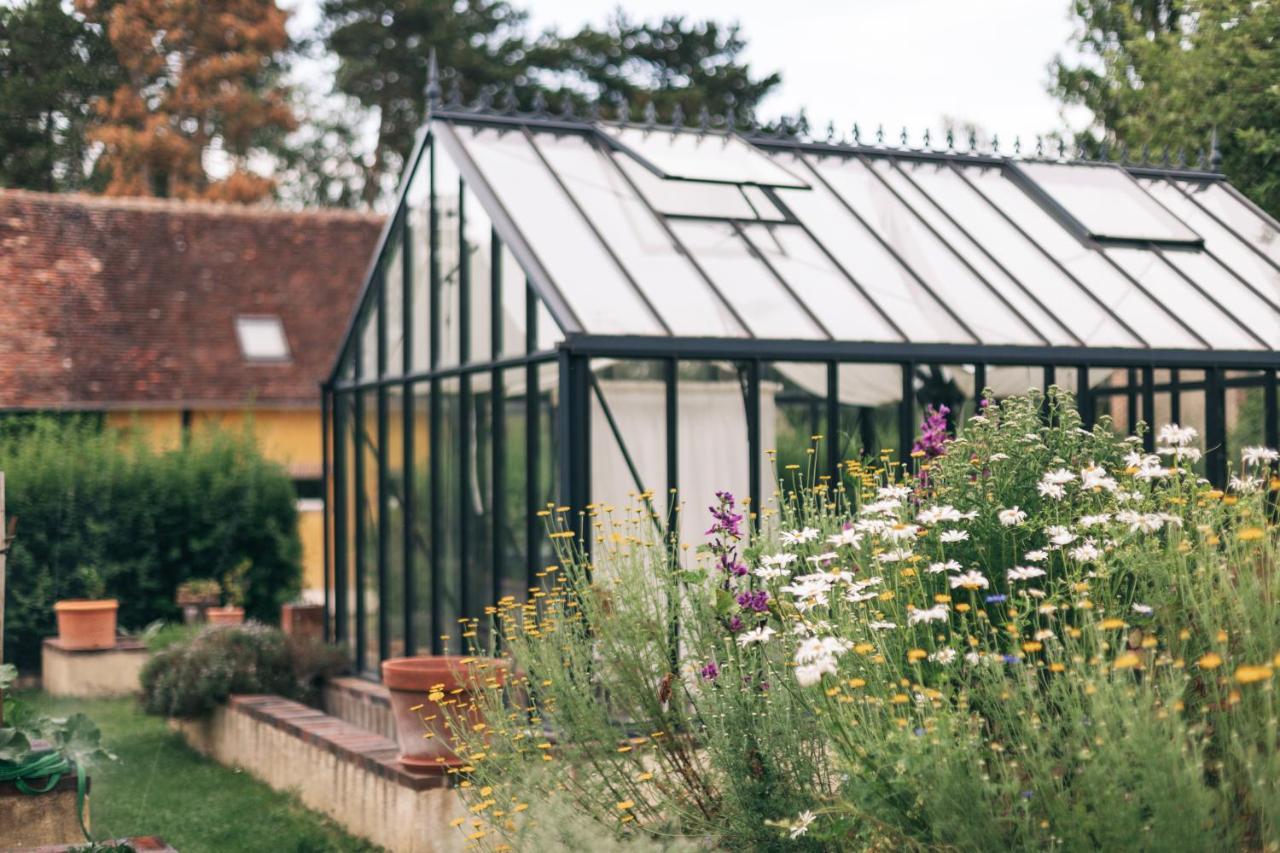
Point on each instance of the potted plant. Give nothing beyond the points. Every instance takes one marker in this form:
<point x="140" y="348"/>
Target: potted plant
<point x="233" y="587"/>
<point x="88" y="622"/>
<point x="303" y="620"/>
<point x="196" y="596"/>
<point x="427" y="694"/>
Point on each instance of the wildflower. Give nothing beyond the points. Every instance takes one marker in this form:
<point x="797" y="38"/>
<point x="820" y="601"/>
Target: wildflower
<point x="1111" y="624"/>
<point x="1011" y="516"/>
<point x="996" y="457"/>
<point x="1259" y="455"/>
<point x="780" y="561"/>
<point x="1036" y="556"/>
<point x="810" y="674"/>
<point x="798" y="537"/>
<point x="1212" y="660"/>
<point x="816" y="648"/>
<point x="968" y="580"/>
<point x="1249" y="534"/>
<point x="827" y="557"/>
<point x="1094" y="520"/>
<point x="901" y="532"/>
<point x="1042" y="635"/>
<point x="1022" y="573"/>
<point x="937" y="613"/>
<point x="1059" y="535"/>
<point x="997" y="598"/>
<point x="939" y="568"/>
<point x="1142" y="609"/>
<point x="943" y="656"/>
<point x="1177" y="436"/>
<point x="914" y="655"/>
<point x="756" y="601"/>
<point x="727" y="521"/>
<point x="933" y="433"/>
<point x="801" y="825"/>
<point x="1128" y="660"/>
<point x="847" y="536"/>
<point x="1059" y="477"/>
<point x="1051" y="490"/>
<point x="1093" y="477"/>
<point x="1086" y="552"/>
<point x="953" y="536"/>
<point x="756" y="635"/>
<point x="771" y="572"/>
<point x="881" y="625"/>
<point x="893" y="492"/>
<point x="1250" y="674"/>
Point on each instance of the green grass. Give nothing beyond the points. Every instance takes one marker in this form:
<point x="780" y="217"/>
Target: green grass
<point x="159" y="786"/>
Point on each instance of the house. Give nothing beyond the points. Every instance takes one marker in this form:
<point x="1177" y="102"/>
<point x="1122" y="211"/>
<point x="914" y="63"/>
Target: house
<point x="173" y="316"/>
<point x="576" y="311"/>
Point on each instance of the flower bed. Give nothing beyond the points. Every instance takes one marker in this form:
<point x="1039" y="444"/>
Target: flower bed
<point x="1040" y="637"/>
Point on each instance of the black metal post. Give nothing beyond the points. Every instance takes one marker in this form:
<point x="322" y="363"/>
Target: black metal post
<point x="833" y="422"/>
<point x="532" y="441"/>
<point x="1084" y="396"/>
<point x="1175" y="397"/>
<point x="906" y="415"/>
<point x="1149" y="407"/>
<point x="1215" y="426"/>
<point x="751" y="398"/>
<point x="1272" y="416"/>
<point x="341" y="548"/>
<point x="326" y="473"/>
<point x="575" y="441"/>
<point x="408" y="498"/>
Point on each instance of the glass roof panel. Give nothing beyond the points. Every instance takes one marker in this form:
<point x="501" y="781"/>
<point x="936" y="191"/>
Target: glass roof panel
<point x="983" y="312"/>
<point x="1174" y="292"/>
<point x="885" y="280"/>
<point x="1106" y="201"/>
<point x="828" y="294"/>
<point x="694" y="156"/>
<point x="1262" y="318"/>
<point x="1157" y="326"/>
<point x="759" y="298"/>
<point x="1236" y="215"/>
<point x="693" y="198"/>
<point x="578" y="264"/>
<point x="1055" y="289"/>
<point x="683" y="298"/>
<point x="900" y="176"/>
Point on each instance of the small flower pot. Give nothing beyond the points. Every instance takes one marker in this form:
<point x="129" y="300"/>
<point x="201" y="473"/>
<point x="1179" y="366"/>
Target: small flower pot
<point x="304" y="621"/>
<point x="423" y="700"/>
<point x="225" y="615"/>
<point x="87" y="624"/>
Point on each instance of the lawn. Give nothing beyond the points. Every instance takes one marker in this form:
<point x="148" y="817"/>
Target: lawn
<point x="158" y="786"/>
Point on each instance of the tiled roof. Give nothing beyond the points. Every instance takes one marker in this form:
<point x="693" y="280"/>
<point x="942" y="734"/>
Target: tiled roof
<point x="121" y="303"/>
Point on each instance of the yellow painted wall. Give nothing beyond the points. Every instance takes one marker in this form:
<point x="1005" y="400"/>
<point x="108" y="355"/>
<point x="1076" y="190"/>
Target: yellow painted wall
<point x="290" y="437"/>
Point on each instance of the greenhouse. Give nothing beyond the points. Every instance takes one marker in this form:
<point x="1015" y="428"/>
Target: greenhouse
<point x="573" y="312"/>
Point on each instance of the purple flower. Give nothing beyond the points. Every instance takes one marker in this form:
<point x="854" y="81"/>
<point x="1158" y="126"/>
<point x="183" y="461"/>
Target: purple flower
<point x="933" y="433"/>
<point x="1012" y="659"/>
<point x="727" y="522"/>
<point x="998" y="598"/>
<point x="710" y="672"/>
<point x="754" y="600"/>
<point x="736" y="624"/>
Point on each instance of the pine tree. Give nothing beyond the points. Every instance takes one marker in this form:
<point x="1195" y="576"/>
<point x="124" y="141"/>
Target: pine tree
<point x="201" y="79"/>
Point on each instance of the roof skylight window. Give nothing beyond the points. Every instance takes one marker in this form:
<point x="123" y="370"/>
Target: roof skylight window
<point x="699" y="199"/>
<point x="723" y="158"/>
<point x="1105" y="203"/>
<point x="262" y="338"/>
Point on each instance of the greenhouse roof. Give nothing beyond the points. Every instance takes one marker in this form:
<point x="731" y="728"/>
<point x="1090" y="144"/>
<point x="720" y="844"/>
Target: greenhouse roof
<point x="642" y="230"/>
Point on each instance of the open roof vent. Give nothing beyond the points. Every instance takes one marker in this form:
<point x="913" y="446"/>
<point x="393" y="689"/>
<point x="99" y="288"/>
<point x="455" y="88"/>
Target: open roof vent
<point x="262" y="338"/>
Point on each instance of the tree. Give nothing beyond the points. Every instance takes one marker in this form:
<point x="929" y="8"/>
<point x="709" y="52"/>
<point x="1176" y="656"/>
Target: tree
<point x="1171" y="72"/>
<point x="201" y="81"/>
<point x="53" y="64"/>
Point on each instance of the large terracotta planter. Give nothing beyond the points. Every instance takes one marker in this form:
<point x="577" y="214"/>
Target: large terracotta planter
<point x="423" y="698"/>
<point x="87" y="624"/>
<point x="304" y="621"/>
<point x="225" y="615"/>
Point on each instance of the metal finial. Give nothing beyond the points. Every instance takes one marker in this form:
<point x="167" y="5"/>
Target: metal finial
<point x="1062" y="148"/>
<point x="730" y="117"/>
<point x="1017" y="145"/>
<point x="880" y="134"/>
<point x="753" y="123"/>
<point x="455" y="94"/>
<point x="539" y="103"/>
<point x="1104" y="152"/>
<point x="1078" y="154"/>
<point x="508" y="104"/>
<point x="831" y="132"/>
<point x="433" y="83"/>
<point x="951" y="140"/>
<point x="677" y="116"/>
<point x="593" y="111"/>
<point x="568" y="111"/>
<point x="1124" y="153"/>
<point x="650" y="115"/>
<point x="902" y="136"/>
<point x="995" y="143"/>
<point x="1215" y="153"/>
<point x="1146" y="153"/>
<point x="1039" y="147"/>
<point x="1202" y="158"/>
<point x="704" y="119"/>
<point x="623" y="108"/>
<point x="857" y="134"/>
<point x="484" y="100"/>
<point x="925" y="140"/>
<point x="1165" y="155"/>
<point x="973" y="141"/>
<point x="1181" y="158"/>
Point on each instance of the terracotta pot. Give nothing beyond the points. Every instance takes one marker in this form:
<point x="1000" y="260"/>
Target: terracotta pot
<point x="225" y="615"/>
<point x="84" y="624"/>
<point x="424" y="739"/>
<point x="305" y="621"/>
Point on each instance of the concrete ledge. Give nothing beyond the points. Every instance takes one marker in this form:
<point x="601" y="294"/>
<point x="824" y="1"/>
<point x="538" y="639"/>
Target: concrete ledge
<point x="361" y="702"/>
<point x="141" y="844"/>
<point x="31" y="820"/>
<point x="92" y="673"/>
<point x="341" y="770"/>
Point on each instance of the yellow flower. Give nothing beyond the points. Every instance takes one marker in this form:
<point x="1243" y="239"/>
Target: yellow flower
<point x="857" y="682"/>
<point x="864" y="648"/>
<point x="1250" y="674"/>
<point x="1210" y="661"/>
<point x="962" y="608"/>
<point x="1249" y="534"/>
<point x="625" y="804"/>
<point x="1111" y="624"/>
<point x="917" y="654"/>
<point x="1056" y="667"/>
<point x="1032" y="646"/>
<point x="1127" y="661"/>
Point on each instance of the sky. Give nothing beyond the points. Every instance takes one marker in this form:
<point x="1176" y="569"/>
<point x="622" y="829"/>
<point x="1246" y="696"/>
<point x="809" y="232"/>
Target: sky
<point x="890" y="62"/>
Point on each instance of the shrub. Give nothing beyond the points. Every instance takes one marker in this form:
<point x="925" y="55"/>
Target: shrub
<point x="1050" y="640"/>
<point x="191" y="678"/>
<point x="144" y="521"/>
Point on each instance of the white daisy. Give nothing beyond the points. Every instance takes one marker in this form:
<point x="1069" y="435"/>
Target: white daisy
<point x="1022" y="573"/>
<point x="968" y="580"/>
<point x="1011" y="516"/>
<point x="755" y="635"/>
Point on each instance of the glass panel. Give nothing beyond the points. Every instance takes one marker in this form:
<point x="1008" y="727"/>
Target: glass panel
<point x="680" y="295"/>
<point x="820" y="284"/>
<point x="395" y="486"/>
<point x="450" y="516"/>
<point x="889" y="285"/>
<point x="1082" y="315"/>
<point x="478" y="237"/>
<point x="369" y="341"/>
<point x="635" y="394"/>
<point x="1226" y="245"/>
<point x="393" y="296"/>
<point x="587" y="277"/>
<point x="1246" y="415"/>
<point x="697" y="198"/>
<point x="1118" y="395"/>
<point x="1106" y="201"/>
<point x="1243" y="304"/>
<point x="1236" y="215"/>
<point x="794" y="459"/>
<point x="870" y="396"/>
<point x="758" y="297"/>
<point x="513" y="545"/>
<point x="369" y="516"/>
<point x="902" y="183"/>
<point x="422" y="628"/>
<point x="988" y="317"/>
<point x="417" y="200"/>
<point x="712" y="435"/>
<point x="1173" y="292"/>
<point x="514" y="319"/>
<point x="1088" y="266"/>
<point x="549" y="333"/>
<point x="448" y="308"/>
<point x="478" y="572"/>
<point x="699" y="156"/>
<point x="949" y="385"/>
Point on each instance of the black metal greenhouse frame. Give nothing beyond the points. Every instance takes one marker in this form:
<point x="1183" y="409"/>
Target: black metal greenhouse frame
<point x="345" y="398"/>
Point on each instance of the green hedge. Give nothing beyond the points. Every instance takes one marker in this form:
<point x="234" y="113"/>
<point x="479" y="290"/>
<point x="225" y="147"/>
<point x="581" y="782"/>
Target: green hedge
<point x="144" y="520"/>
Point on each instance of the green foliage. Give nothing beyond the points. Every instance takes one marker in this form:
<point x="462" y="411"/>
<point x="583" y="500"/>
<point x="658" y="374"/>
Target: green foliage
<point x="191" y="678"/>
<point x="1167" y="73"/>
<point x="144" y="520"/>
<point x="52" y="64"/>
<point x="75" y="736"/>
